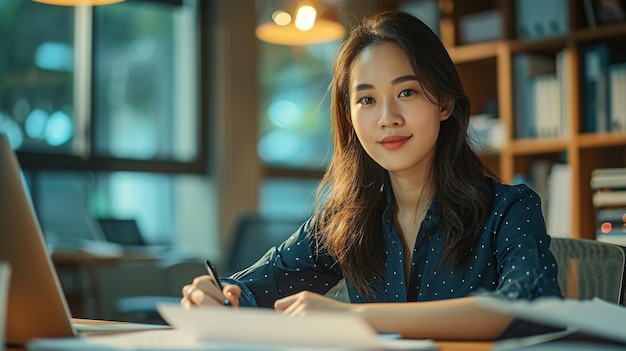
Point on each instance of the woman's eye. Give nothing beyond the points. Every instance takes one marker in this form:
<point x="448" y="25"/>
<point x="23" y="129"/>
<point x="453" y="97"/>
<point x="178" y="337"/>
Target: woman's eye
<point x="407" y="92"/>
<point x="366" y="100"/>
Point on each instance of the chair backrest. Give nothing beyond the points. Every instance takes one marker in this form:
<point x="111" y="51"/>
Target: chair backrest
<point x="254" y="235"/>
<point x="180" y="272"/>
<point x="589" y="268"/>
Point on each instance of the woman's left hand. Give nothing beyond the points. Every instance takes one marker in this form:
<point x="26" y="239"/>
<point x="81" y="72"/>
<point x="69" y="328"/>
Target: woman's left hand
<point x="301" y="303"/>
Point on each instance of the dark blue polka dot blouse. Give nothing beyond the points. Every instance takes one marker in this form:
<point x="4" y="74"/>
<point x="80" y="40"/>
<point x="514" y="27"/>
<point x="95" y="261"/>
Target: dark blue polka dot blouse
<point x="511" y="259"/>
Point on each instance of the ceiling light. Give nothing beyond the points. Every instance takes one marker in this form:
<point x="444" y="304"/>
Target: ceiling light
<point x="78" y="2"/>
<point x="314" y="23"/>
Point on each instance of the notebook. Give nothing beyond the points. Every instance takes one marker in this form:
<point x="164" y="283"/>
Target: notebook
<point x="36" y="304"/>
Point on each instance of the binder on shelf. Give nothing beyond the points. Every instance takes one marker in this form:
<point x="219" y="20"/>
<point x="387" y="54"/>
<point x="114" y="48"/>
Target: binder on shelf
<point x="545" y="94"/>
<point x="559" y="201"/>
<point x="562" y="74"/>
<point x="589" y="13"/>
<point x="526" y="68"/>
<point x="617" y="88"/>
<point x="602" y="65"/>
<point x="595" y="87"/>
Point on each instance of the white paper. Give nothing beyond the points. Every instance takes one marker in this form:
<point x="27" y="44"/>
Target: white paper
<point x="594" y="317"/>
<point x="242" y="329"/>
<point x="5" y="273"/>
<point x="178" y="340"/>
<point x="258" y="326"/>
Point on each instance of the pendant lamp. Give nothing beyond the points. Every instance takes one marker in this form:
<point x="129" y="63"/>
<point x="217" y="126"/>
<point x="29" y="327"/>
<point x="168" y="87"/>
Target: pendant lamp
<point x="298" y="22"/>
<point x="78" y="2"/>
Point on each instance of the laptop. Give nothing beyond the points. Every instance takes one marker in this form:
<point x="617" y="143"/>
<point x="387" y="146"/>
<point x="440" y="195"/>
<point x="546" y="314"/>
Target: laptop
<point x="123" y="231"/>
<point x="36" y="305"/>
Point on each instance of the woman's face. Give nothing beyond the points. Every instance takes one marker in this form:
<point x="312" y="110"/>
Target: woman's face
<point x="392" y="117"/>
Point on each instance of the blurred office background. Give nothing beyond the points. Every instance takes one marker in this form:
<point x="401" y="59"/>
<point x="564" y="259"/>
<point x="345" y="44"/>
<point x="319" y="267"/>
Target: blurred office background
<point x="156" y="133"/>
<point x="168" y="112"/>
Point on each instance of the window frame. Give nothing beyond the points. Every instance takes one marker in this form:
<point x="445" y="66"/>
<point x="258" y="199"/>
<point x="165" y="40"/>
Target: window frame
<point x="84" y="159"/>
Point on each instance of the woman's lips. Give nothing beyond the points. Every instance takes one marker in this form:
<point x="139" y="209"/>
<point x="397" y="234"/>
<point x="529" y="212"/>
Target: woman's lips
<point x="394" y="142"/>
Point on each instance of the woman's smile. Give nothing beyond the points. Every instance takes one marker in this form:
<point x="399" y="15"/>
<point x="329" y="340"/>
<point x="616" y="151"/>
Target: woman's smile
<point x="394" y="142"/>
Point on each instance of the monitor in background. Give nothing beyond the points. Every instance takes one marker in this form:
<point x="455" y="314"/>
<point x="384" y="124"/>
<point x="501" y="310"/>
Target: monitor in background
<point x="121" y="231"/>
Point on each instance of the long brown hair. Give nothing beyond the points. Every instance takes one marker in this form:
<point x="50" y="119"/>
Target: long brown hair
<point x="350" y="202"/>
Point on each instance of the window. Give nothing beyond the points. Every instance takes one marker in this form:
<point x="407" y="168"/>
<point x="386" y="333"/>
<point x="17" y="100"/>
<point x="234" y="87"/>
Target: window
<point x="144" y="82"/>
<point x="102" y="106"/>
<point x="37" y="75"/>
<point x="115" y="81"/>
<point x="294" y="128"/>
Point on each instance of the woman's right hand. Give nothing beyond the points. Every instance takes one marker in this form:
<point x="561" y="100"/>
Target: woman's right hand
<point x="203" y="291"/>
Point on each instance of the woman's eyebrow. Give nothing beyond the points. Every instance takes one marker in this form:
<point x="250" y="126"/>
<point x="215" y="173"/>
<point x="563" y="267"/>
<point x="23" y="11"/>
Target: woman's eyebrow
<point x="401" y="79"/>
<point x="363" y="86"/>
<point x="404" y="78"/>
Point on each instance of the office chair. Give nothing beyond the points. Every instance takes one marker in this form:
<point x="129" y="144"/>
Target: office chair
<point x="255" y="234"/>
<point x="589" y="268"/>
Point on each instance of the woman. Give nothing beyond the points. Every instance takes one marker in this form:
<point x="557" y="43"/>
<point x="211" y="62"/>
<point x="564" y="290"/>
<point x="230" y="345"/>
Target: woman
<point x="406" y="211"/>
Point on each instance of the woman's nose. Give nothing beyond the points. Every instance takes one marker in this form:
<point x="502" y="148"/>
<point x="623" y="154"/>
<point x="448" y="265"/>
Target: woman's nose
<point x="390" y="115"/>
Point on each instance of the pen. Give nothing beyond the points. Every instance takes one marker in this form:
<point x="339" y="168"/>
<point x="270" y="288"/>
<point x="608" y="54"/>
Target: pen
<point x="213" y="273"/>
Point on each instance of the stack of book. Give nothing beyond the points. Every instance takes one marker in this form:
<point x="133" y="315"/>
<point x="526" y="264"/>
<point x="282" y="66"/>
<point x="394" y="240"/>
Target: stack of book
<point x="609" y="199"/>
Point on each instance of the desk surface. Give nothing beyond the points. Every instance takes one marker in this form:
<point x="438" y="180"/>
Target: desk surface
<point x="464" y="345"/>
<point x="443" y="345"/>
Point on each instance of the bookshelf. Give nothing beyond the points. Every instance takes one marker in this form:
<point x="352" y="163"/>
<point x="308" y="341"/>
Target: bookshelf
<point x="487" y="72"/>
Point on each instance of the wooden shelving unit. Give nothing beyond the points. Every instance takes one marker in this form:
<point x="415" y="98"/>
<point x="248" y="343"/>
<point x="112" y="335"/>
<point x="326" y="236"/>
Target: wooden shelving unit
<point x="486" y="71"/>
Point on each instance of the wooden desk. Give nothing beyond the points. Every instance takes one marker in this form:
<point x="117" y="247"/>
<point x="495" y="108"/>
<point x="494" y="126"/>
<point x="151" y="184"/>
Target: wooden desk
<point x="448" y="346"/>
<point x="464" y="345"/>
<point x="443" y="345"/>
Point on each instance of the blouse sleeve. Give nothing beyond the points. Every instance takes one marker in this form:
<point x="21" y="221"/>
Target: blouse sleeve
<point x="293" y="266"/>
<point x="527" y="267"/>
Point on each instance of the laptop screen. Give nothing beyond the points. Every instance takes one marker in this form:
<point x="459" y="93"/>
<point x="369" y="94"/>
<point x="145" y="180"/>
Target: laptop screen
<point x="121" y="231"/>
<point x="36" y="304"/>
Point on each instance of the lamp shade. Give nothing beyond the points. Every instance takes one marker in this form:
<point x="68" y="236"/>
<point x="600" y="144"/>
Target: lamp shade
<point x="286" y="26"/>
<point x="78" y="2"/>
